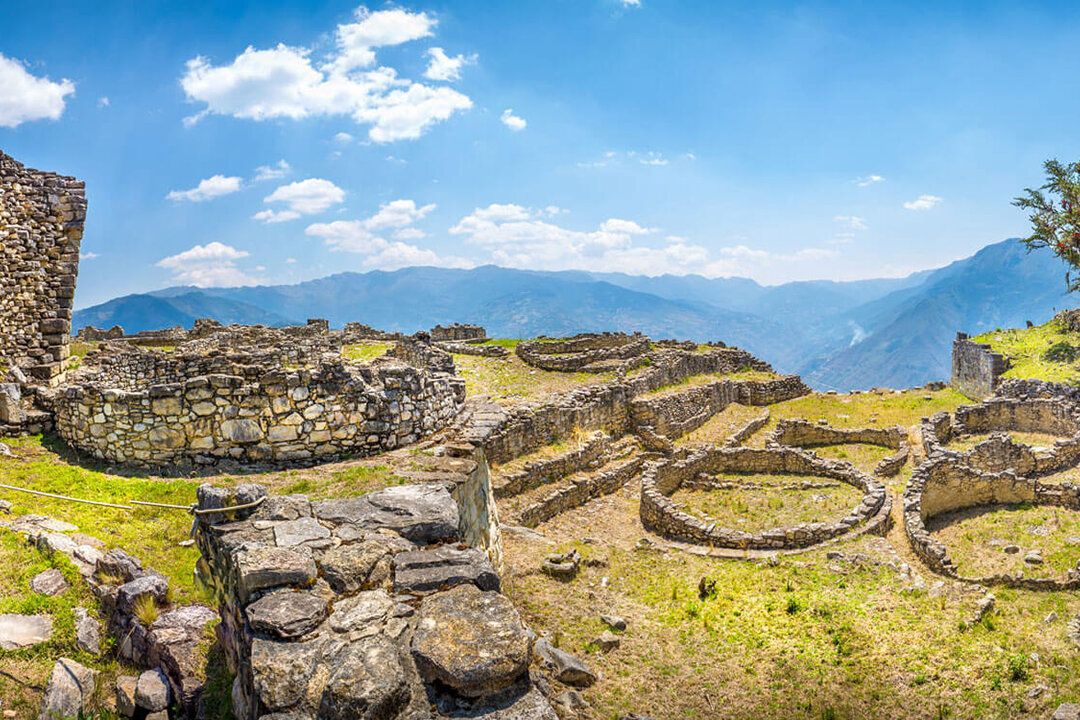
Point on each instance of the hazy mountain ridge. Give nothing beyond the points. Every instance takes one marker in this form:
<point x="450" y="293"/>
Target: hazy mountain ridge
<point x="843" y="335"/>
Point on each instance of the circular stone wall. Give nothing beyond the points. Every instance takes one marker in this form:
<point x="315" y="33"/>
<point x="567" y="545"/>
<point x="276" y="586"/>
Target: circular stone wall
<point x="152" y="409"/>
<point x="944" y="485"/>
<point x="663" y="516"/>
<point x="1050" y="416"/>
<point x="588" y="353"/>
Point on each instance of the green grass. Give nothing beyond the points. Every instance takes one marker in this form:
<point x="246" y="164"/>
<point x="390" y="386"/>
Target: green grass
<point x="1027" y="350"/>
<point x="150" y="534"/>
<point x="869" y="409"/>
<point x="1033" y="439"/>
<point x="768" y="507"/>
<point x="508" y="380"/>
<point x="365" y="351"/>
<point x="968" y="533"/>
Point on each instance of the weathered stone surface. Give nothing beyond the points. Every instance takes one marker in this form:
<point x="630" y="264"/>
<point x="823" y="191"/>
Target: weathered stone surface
<point x="367" y="682"/>
<point x="361" y="610"/>
<point x="22" y="631"/>
<point x="87" y="632"/>
<point x="471" y="640"/>
<point x="287" y="614"/>
<point x="299" y="531"/>
<point x="421" y="571"/>
<point x="130" y="593"/>
<point x="152" y="691"/>
<point x="614" y="622"/>
<point x="1067" y="711"/>
<point x="281" y="671"/>
<point x="424" y="514"/>
<point x="49" y="582"/>
<point x="264" y="568"/>
<point x="117" y="567"/>
<point x="607" y="641"/>
<point x="69" y="692"/>
<point x="242" y="430"/>
<point x="125" y="694"/>
<point x="359" y="566"/>
<point x="565" y="667"/>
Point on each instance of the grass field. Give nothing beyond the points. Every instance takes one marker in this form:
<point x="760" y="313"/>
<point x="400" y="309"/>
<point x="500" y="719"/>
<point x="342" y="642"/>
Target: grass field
<point x="1030" y="352"/>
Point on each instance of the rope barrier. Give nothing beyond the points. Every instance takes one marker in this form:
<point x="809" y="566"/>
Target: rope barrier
<point x="192" y="509"/>
<point x="63" y="497"/>
<point x="246" y="506"/>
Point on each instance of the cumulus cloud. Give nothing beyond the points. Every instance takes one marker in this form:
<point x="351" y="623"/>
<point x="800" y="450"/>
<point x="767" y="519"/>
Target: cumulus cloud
<point x="88" y="256"/>
<point x="208" y="189"/>
<point x="305" y="197"/>
<point x="516" y="236"/>
<point x="210" y="265"/>
<point x="343" y="138"/>
<point x="653" y="158"/>
<point x="272" y="172"/>
<point x="631" y="3"/>
<point x="284" y="82"/>
<point x="445" y="68"/>
<point x="923" y="202"/>
<point x="512" y="121"/>
<point x="869" y="180"/>
<point x="365" y="237"/>
<point x="24" y="97"/>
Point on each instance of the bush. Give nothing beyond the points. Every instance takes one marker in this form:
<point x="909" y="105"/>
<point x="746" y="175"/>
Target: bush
<point x="1061" y="352"/>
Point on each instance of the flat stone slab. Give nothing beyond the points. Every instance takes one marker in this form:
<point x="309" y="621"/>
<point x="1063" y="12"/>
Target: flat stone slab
<point x="23" y="631"/>
<point x="421" y="571"/>
<point x="287" y="614"/>
<point x="424" y="514"/>
<point x="471" y="640"/>
<point x="565" y="667"/>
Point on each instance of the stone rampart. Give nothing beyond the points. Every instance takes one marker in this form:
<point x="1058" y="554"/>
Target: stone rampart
<point x="660" y="514"/>
<point x="463" y="348"/>
<point x="593" y="453"/>
<point x="802" y="433"/>
<point x="365" y="607"/>
<point x="583" y="352"/>
<point x="458" y="333"/>
<point x="151" y="409"/>
<point x="976" y="369"/>
<point x="579" y="491"/>
<point x="41" y="227"/>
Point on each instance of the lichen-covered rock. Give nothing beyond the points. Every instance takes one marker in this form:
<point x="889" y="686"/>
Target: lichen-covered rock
<point x="367" y="682"/>
<point x="23" y="631"/>
<point x="152" y="691"/>
<point x="424" y="514"/>
<point x="69" y="692"/>
<point x="87" y="632"/>
<point x="147" y="586"/>
<point x="361" y="610"/>
<point x="358" y="566"/>
<point x="565" y="667"/>
<point x="287" y="614"/>
<point x="265" y="568"/>
<point x="421" y="571"/>
<point x="125" y="694"/>
<point x="471" y="640"/>
<point x="49" y="582"/>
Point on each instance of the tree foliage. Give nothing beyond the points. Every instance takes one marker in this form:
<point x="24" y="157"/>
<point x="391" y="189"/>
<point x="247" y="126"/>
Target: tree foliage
<point x="1055" y="216"/>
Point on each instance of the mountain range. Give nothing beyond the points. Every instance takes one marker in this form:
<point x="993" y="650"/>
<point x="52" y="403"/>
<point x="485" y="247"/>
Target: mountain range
<point x="839" y="335"/>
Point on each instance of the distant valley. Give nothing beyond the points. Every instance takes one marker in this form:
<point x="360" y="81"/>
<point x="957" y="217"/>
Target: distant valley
<point x="838" y="335"/>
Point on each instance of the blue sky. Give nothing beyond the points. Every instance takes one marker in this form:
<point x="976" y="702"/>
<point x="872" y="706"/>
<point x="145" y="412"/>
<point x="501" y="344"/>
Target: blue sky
<point x="778" y="140"/>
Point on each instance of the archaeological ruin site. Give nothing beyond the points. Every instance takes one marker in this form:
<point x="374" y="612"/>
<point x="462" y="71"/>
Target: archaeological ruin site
<point x="293" y="523"/>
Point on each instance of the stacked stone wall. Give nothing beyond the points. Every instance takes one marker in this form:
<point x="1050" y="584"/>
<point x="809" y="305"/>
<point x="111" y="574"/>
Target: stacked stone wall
<point x="663" y="516"/>
<point x="802" y="433"/>
<point x="594" y="452"/>
<point x="458" y="333"/>
<point x="583" y="352"/>
<point x="41" y="226"/>
<point x="945" y="485"/>
<point x="976" y="369"/>
<point x="248" y="413"/>
<point x="579" y="491"/>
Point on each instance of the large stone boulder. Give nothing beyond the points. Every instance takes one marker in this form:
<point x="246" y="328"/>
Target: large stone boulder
<point x="358" y="566"/>
<point x="367" y="682"/>
<point x="421" y="571"/>
<point x="287" y="614"/>
<point x="69" y="692"/>
<point x="265" y="568"/>
<point x="471" y="640"/>
<point x="23" y="631"/>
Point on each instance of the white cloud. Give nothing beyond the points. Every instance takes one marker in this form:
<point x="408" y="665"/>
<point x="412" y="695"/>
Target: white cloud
<point x="515" y="236"/>
<point x="653" y="158"/>
<point x="272" y="172"/>
<point x="443" y="67"/>
<point x="290" y="261"/>
<point x="88" y="256"/>
<point x="512" y="121"/>
<point x="210" y="265"/>
<point x="923" y="202"/>
<point x="363" y="237"/>
<point x="631" y="3"/>
<point x="869" y="180"/>
<point x="103" y="102"/>
<point x="305" y="197"/>
<point x="343" y="138"/>
<point x="207" y="189"/>
<point x="283" y="82"/>
<point x="24" y="97"/>
<point x="853" y="222"/>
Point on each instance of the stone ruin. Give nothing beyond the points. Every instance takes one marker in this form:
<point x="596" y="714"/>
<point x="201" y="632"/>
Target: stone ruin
<point x="41" y="227"/>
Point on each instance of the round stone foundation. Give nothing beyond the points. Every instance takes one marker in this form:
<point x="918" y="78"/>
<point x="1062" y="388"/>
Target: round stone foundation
<point x="585" y="353"/>
<point x="660" y="514"/>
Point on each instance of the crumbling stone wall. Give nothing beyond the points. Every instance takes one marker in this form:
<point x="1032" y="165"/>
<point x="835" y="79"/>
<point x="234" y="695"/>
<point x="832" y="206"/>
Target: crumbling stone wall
<point x="586" y="352"/>
<point x="976" y="370"/>
<point x="527" y="427"/>
<point x="364" y="607"/>
<point x="663" y="516"/>
<point x="153" y="409"/>
<point x="802" y="433"/>
<point x="945" y="484"/>
<point x="41" y="227"/>
<point x="594" y="452"/>
<point x="458" y="333"/>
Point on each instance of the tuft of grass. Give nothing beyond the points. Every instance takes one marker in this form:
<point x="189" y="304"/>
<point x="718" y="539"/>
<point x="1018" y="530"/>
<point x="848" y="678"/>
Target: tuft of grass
<point x="146" y="609"/>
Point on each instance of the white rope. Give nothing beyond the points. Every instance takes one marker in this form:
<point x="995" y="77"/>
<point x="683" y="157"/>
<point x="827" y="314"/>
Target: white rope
<point x="64" y="497"/>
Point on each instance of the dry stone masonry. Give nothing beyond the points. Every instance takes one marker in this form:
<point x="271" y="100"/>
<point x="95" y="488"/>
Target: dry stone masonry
<point x="41" y="227"/>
